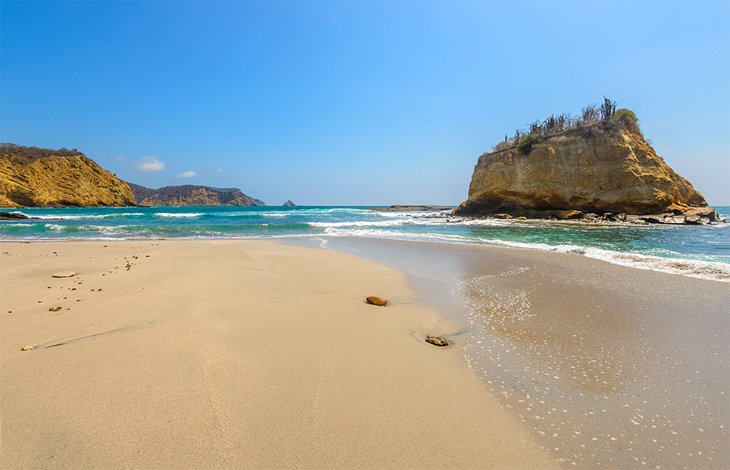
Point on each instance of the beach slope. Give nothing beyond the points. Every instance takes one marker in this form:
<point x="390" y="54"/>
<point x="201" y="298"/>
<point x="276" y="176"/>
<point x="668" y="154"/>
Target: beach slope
<point x="232" y="353"/>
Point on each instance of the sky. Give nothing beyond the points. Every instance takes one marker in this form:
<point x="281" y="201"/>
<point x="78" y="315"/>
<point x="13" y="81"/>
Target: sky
<point x="355" y="103"/>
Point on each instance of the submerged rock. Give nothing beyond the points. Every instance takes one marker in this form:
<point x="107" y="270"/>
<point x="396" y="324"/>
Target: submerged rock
<point x="12" y="216"/>
<point x="373" y="300"/>
<point x="411" y="208"/>
<point x="437" y="341"/>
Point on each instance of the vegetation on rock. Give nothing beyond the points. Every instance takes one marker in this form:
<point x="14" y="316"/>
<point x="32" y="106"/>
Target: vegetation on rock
<point x="605" y="115"/>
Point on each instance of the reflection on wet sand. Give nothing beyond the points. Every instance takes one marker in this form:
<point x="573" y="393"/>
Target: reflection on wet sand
<point x="594" y="368"/>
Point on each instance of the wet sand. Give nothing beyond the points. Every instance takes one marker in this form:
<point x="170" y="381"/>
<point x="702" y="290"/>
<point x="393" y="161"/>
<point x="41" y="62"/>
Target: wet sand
<point x="209" y="354"/>
<point x="609" y="366"/>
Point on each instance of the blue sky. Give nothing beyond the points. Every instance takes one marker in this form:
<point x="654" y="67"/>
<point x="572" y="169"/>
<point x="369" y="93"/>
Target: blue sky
<point x="355" y="102"/>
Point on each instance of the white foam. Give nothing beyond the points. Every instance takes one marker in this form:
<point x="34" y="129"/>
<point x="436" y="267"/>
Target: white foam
<point x="692" y="268"/>
<point x="178" y="215"/>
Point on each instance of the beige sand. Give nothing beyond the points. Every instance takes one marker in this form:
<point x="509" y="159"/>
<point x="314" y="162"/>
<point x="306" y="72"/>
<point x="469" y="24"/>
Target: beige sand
<point x="232" y="354"/>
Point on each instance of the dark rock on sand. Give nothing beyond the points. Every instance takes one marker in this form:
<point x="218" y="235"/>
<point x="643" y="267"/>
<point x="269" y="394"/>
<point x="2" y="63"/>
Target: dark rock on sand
<point x="373" y="300"/>
<point x="437" y="341"/>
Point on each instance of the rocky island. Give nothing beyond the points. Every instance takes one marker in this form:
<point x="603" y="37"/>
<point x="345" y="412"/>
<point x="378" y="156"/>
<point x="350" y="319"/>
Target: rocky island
<point x="37" y="177"/>
<point x="596" y="167"/>
<point x="191" y="195"/>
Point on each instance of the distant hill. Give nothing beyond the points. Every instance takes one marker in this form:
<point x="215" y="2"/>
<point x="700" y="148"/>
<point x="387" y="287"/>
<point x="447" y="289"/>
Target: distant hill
<point x="191" y="195"/>
<point x="40" y="177"/>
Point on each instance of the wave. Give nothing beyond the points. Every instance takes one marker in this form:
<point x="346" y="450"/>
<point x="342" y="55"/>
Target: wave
<point x="178" y="215"/>
<point x="711" y="270"/>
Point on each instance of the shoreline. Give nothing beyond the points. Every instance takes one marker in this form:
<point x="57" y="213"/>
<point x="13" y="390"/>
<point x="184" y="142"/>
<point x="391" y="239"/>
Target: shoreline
<point x="685" y="267"/>
<point x="233" y="353"/>
<point x="607" y="366"/>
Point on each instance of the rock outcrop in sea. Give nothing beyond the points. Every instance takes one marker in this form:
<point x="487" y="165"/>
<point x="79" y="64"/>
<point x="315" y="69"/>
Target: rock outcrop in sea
<point x="191" y="195"/>
<point x="599" y="167"/>
<point x="37" y="177"/>
<point x="289" y="203"/>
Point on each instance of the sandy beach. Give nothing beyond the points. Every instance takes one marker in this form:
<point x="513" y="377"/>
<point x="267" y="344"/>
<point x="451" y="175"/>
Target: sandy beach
<point x="205" y="354"/>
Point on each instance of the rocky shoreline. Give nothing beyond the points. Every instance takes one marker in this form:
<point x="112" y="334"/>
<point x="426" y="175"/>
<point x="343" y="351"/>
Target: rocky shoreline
<point x="692" y="216"/>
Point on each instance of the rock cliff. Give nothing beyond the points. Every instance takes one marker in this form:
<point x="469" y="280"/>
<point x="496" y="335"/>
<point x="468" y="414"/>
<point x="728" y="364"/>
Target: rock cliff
<point x="31" y="176"/>
<point x="600" y="167"/>
<point x="191" y="195"/>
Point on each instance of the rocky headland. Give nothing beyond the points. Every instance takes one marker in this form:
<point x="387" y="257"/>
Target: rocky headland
<point x="595" y="168"/>
<point x="191" y="195"/>
<point x="36" y="177"/>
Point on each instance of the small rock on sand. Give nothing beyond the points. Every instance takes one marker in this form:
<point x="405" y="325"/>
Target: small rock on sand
<point x="64" y="274"/>
<point x="372" y="300"/>
<point x="54" y="309"/>
<point x="26" y="348"/>
<point x="437" y="341"/>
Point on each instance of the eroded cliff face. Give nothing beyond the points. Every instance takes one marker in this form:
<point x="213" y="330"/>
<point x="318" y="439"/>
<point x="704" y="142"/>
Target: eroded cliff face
<point x="192" y="195"/>
<point x="598" y="168"/>
<point x="36" y="177"/>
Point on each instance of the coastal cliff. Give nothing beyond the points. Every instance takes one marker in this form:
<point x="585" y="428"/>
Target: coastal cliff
<point x="34" y="177"/>
<point x="191" y="195"/>
<point x="596" y="168"/>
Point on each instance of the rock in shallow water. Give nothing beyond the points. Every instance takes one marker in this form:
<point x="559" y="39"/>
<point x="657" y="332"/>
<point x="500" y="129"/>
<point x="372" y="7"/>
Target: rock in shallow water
<point x="373" y="300"/>
<point x="437" y="341"/>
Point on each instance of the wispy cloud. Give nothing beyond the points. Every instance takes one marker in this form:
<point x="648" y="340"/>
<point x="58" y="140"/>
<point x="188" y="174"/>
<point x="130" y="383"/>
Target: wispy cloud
<point x="121" y="159"/>
<point x="187" y="174"/>
<point x="149" y="164"/>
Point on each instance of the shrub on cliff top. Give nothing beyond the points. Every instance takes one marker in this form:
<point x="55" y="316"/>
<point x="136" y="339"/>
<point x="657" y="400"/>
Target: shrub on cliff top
<point x="527" y="141"/>
<point x="627" y="117"/>
<point x="606" y="114"/>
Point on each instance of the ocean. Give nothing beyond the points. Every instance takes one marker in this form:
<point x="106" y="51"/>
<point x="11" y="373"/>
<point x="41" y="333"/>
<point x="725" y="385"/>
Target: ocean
<point x="697" y="251"/>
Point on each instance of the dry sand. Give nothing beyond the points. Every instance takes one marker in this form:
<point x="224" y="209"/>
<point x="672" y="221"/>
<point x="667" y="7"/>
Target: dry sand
<point x="232" y="354"/>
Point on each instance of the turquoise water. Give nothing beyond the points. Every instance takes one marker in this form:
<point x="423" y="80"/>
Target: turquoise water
<point x="702" y="251"/>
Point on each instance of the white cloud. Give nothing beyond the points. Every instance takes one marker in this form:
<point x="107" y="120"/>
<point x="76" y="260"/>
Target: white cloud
<point x="187" y="174"/>
<point x="148" y="164"/>
<point x="121" y="159"/>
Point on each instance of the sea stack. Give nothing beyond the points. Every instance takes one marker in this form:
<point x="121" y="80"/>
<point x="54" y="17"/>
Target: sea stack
<point x="600" y="164"/>
<point x="289" y="203"/>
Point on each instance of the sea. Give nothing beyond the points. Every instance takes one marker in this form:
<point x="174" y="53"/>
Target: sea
<point x="697" y="251"/>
